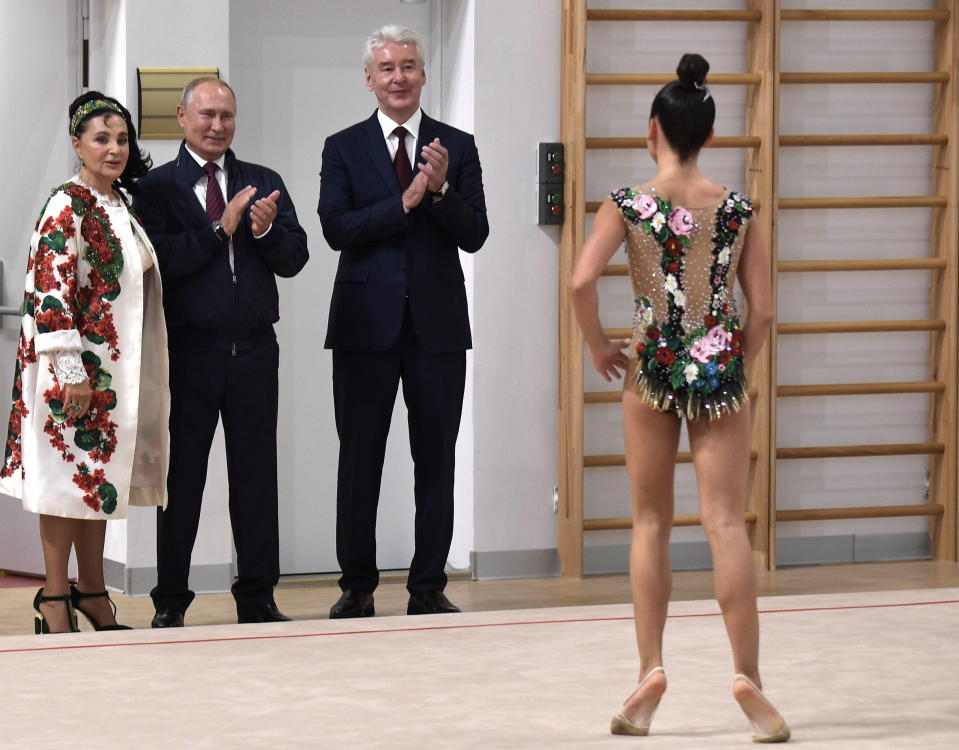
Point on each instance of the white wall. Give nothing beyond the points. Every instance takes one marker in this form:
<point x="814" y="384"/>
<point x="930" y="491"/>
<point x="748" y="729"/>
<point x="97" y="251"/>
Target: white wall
<point x="515" y="303"/>
<point x="499" y="71"/>
<point x="622" y="111"/>
<point x="458" y="50"/>
<point x="36" y="157"/>
<point x="300" y="79"/>
<point x="124" y="37"/>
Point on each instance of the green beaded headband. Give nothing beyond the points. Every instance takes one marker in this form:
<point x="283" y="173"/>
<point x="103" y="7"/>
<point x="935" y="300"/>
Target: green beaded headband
<point x="88" y="108"/>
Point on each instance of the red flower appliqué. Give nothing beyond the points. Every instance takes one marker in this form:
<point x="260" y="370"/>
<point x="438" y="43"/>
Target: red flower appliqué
<point x="665" y="355"/>
<point x="90" y="482"/>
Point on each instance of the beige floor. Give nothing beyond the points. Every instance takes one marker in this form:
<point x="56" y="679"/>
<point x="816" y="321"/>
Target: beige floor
<point x="309" y="598"/>
<point x="874" y="669"/>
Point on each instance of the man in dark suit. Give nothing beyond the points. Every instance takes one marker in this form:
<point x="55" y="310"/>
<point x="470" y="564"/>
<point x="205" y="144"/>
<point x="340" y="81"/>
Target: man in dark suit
<point x="223" y="229"/>
<point x="400" y="192"/>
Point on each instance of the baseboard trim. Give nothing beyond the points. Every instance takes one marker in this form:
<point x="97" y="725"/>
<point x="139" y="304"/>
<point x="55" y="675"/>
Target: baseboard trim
<point x="514" y="563"/>
<point x="614" y="558"/>
<point x="204" y="579"/>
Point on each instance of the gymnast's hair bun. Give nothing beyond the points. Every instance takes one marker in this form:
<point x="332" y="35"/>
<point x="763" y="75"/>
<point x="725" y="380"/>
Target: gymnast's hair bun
<point x="692" y="69"/>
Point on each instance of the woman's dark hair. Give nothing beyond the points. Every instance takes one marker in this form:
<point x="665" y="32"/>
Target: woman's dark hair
<point x="139" y="162"/>
<point x="685" y="108"/>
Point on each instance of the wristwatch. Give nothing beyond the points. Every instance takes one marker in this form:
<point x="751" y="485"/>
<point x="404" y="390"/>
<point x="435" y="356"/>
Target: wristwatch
<point x="219" y="231"/>
<point x="438" y="194"/>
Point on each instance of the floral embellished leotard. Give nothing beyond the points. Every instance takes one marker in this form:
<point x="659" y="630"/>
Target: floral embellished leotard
<point x="686" y="352"/>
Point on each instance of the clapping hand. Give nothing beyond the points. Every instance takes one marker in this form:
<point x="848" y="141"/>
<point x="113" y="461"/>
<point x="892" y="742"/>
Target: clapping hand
<point x="263" y="212"/>
<point x="437" y="160"/>
<point x="235" y="208"/>
<point x="413" y="195"/>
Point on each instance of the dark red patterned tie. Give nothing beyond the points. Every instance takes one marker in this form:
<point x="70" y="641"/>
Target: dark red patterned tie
<point x="214" y="196"/>
<point x="401" y="162"/>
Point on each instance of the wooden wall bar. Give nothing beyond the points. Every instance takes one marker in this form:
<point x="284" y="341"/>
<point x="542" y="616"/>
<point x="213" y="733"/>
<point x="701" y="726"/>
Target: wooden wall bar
<point x="569" y="422"/>
<point x="762" y="141"/>
<point x="944" y="360"/>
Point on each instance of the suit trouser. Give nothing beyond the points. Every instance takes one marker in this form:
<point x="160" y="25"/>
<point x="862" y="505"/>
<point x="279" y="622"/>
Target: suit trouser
<point x="205" y="384"/>
<point x="364" y="391"/>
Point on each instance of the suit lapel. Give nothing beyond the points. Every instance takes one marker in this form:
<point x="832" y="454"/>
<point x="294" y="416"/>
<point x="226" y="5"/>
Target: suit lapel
<point x="427" y="134"/>
<point x="187" y="172"/>
<point x="379" y="153"/>
<point x="232" y="176"/>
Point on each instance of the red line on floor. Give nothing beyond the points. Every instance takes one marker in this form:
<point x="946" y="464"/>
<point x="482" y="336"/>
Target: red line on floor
<point x="452" y="627"/>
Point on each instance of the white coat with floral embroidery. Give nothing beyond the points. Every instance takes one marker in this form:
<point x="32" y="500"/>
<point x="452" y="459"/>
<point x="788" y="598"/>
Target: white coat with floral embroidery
<point x="87" y="292"/>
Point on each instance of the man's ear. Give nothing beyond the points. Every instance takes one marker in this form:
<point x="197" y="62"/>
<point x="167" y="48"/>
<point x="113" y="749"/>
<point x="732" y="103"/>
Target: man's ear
<point x="369" y="79"/>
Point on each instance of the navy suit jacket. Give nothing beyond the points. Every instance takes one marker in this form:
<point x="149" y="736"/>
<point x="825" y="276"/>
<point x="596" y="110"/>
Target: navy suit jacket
<point x="388" y="256"/>
<point x="199" y="289"/>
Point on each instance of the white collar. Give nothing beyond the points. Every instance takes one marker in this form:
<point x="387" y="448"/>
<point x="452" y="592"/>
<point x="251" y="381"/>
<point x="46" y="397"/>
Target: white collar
<point x="412" y="125"/>
<point x="203" y="162"/>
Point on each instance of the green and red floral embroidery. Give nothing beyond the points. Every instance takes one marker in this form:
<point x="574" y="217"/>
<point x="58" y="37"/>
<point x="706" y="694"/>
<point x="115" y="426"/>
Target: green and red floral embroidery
<point x="680" y="370"/>
<point x="94" y="432"/>
<point x="59" y="301"/>
<point x="88" y="303"/>
<point x="13" y="452"/>
<point x="103" y="251"/>
<point x="98" y="493"/>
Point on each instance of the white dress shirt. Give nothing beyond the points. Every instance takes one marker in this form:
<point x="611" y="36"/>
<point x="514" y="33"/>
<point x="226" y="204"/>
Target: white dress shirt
<point x="412" y="135"/>
<point x="199" y="188"/>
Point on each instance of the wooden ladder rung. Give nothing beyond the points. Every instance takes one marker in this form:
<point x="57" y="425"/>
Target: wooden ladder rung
<point x="872" y="511"/>
<point x="616" y="269"/>
<point x="860" y="326"/>
<point x="597" y="14"/>
<point x="601" y="461"/>
<point x="932" y="76"/>
<point x="875" y="139"/>
<point x="866" y="264"/>
<point x="610" y="524"/>
<point x="602" y="397"/>
<point x="863" y="14"/>
<point x="884" y="201"/>
<point x="840" y="326"/>
<point x="728" y="141"/>
<point x="660" y="79"/>
<point x="859" y="451"/>
<point x="592" y="207"/>
<point x="614" y="397"/>
<point x="795" y="266"/>
<point x="860" y="389"/>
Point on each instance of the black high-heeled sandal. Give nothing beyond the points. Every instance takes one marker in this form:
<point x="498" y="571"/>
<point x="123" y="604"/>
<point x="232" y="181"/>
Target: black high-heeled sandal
<point x="40" y="624"/>
<point x="76" y="596"/>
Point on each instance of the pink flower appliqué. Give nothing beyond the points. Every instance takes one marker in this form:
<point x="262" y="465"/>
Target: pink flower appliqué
<point x="645" y="205"/>
<point x="701" y="351"/>
<point x="680" y="221"/>
<point x="717" y="337"/>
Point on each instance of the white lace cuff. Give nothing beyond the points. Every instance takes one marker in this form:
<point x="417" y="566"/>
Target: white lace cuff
<point x="68" y="367"/>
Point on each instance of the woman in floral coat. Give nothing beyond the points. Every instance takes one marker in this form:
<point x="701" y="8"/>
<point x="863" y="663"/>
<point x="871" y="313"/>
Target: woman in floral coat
<point x="88" y="431"/>
<point x="688" y="240"/>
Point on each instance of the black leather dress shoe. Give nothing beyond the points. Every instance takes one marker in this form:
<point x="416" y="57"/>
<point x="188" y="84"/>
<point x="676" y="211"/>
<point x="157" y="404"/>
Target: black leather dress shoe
<point x="260" y="613"/>
<point x="352" y="604"/>
<point x="167" y="617"/>
<point x="430" y="603"/>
